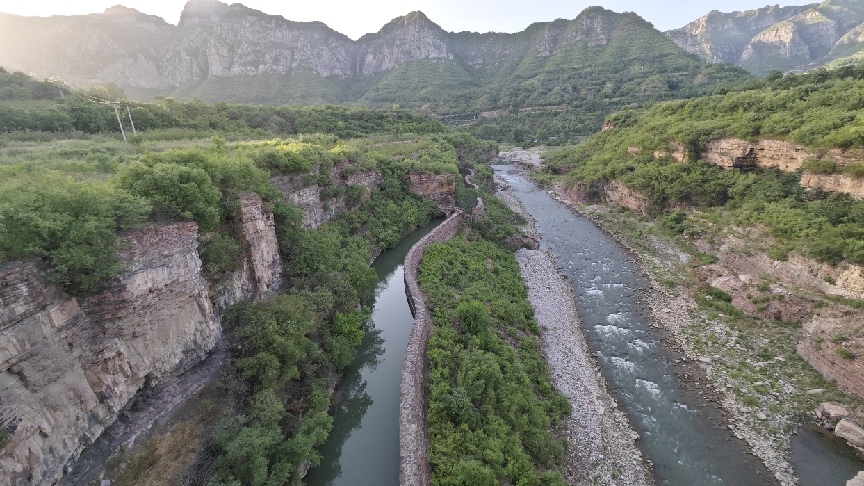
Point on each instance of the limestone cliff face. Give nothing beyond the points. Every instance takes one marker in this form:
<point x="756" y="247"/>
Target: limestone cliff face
<point x="723" y="37"/>
<point x="730" y="152"/>
<point x="440" y="188"/>
<point x="261" y="271"/>
<point x="317" y="210"/>
<point x="804" y="38"/>
<point x="68" y="366"/>
<point x="409" y="38"/>
<point x="787" y="38"/>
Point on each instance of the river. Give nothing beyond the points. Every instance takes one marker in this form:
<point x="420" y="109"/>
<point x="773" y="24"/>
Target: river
<point x="363" y="447"/>
<point x="681" y="433"/>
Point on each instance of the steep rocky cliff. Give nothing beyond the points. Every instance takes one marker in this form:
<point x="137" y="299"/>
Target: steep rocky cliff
<point x="69" y="366"/>
<point x="723" y="37"/>
<point x="307" y="195"/>
<point x="787" y="38"/>
<point x="261" y="271"/>
<point x="730" y="152"/>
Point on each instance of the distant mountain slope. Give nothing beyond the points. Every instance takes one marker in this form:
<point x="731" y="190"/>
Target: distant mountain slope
<point x="787" y="38"/>
<point x="581" y="69"/>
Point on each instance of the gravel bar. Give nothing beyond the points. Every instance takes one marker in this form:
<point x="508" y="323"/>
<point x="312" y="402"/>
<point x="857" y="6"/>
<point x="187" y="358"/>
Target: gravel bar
<point x="602" y="444"/>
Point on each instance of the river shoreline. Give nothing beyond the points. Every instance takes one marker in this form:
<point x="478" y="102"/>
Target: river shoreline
<point x="602" y="443"/>
<point x="671" y="311"/>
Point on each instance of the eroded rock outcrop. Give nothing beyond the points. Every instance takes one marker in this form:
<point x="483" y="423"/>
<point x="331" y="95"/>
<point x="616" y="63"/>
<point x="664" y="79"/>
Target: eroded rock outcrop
<point x="606" y="192"/>
<point x="306" y="194"/>
<point x="440" y="188"/>
<point x="68" y="366"/>
<point x="261" y="269"/>
<point x="736" y="153"/>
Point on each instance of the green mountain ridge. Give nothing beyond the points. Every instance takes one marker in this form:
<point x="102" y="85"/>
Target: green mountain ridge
<point x="586" y="67"/>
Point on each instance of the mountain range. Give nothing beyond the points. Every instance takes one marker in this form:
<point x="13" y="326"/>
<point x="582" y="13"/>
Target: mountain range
<point x="221" y="52"/>
<point x="794" y="38"/>
<point x="554" y="80"/>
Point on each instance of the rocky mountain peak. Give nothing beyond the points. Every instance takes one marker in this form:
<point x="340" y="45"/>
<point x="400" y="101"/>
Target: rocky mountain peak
<point x="202" y="10"/>
<point x="773" y="37"/>
<point x="119" y="13"/>
<point x="412" y="20"/>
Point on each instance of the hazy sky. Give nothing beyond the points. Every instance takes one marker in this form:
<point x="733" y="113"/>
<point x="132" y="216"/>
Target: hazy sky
<point x="355" y="18"/>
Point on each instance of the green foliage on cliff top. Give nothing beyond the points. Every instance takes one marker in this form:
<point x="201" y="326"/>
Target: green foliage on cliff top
<point x="820" y="110"/>
<point x="64" y="202"/>
<point x="291" y="346"/>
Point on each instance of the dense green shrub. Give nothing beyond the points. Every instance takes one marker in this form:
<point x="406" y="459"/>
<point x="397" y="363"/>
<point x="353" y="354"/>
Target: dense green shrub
<point x="71" y="225"/>
<point x="819" y="166"/>
<point x="219" y="255"/>
<point x="819" y="111"/>
<point x="491" y="402"/>
<point x="855" y="170"/>
<point x="180" y="191"/>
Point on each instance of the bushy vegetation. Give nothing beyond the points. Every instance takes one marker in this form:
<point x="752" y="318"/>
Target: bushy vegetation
<point x="65" y="203"/>
<point x="820" y="110"/>
<point x="71" y="225"/>
<point x="293" y="345"/>
<point x="492" y="407"/>
<point x="30" y="105"/>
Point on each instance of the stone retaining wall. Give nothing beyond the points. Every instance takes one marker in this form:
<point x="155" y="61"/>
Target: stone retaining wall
<point x="413" y="439"/>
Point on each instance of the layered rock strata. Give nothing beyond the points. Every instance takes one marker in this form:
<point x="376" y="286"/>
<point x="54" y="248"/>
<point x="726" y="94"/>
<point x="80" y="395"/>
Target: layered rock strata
<point x="68" y="365"/>
<point x="735" y="153"/>
<point x="261" y="271"/>
<point x="307" y="195"/>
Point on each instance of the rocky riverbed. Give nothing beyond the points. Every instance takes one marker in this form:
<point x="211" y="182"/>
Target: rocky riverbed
<point x="674" y="310"/>
<point x="602" y="443"/>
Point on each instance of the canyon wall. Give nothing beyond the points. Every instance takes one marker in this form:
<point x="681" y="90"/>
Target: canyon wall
<point x="306" y="194"/>
<point x="607" y="192"/>
<point x="261" y="271"/>
<point x="440" y="188"/>
<point x="735" y="153"/>
<point x="69" y="366"/>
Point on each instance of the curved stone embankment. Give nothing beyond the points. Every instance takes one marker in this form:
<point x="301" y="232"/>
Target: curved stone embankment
<point x="602" y="443"/>
<point x="413" y="438"/>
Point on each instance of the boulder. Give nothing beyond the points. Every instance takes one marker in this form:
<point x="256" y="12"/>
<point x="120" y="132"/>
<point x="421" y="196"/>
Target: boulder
<point x="857" y="480"/>
<point x="851" y="432"/>
<point x="831" y="411"/>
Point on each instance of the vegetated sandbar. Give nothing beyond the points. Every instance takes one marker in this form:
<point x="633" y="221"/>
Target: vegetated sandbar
<point x="602" y="443"/>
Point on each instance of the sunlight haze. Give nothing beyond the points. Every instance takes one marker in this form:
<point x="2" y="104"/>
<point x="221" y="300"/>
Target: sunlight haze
<point x="357" y="18"/>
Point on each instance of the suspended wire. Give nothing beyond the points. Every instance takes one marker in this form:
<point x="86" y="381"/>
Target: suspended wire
<point x="61" y="84"/>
